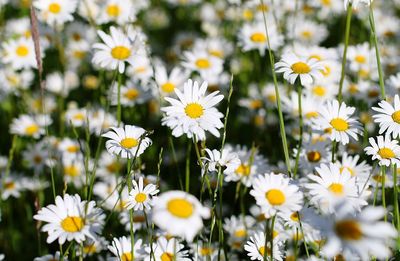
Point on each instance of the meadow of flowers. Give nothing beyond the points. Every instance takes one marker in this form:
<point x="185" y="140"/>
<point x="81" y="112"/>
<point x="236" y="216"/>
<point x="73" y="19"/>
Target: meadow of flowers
<point x="199" y="130"/>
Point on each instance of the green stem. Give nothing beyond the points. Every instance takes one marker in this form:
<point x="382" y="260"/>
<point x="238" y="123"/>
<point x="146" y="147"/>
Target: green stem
<point x="396" y="199"/>
<point x="175" y="159"/>
<point x="346" y="44"/>
<point x="187" y="180"/>
<point x="383" y="169"/>
<point x="299" y="93"/>
<point x="119" y="99"/>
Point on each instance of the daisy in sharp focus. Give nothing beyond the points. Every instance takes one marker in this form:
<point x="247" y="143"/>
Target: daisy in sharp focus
<point x="166" y="249"/>
<point x="56" y="12"/>
<point x="193" y="113"/>
<point x="275" y="193"/>
<point x="179" y="214"/>
<point x="141" y="197"/>
<point x="71" y="219"/>
<point x="255" y="248"/>
<point x="388" y="117"/>
<point x="128" y="142"/>
<point x="122" y="249"/>
<point x="336" y="120"/>
<point x="384" y="149"/>
<point x="116" y="50"/>
<point x="294" y="67"/>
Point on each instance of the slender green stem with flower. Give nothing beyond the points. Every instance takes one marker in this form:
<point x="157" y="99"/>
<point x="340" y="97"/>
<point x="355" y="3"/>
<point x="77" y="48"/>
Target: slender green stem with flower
<point x="300" y="111"/>
<point x="346" y="44"/>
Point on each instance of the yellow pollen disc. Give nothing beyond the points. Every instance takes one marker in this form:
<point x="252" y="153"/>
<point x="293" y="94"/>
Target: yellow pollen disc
<point x="180" y="208"/>
<point x="22" y="51"/>
<point x="141" y="69"/>
<point x="113" y="10"/>
<point x="353" y="89"/>
<point x="54" y="8"/>
<point x="311" y="114"/>
<point x="339" y="124"/>
<point x="307" y="34"/>
<point x="271" y="98"/>
<point x="262" y="250"/>
<point x="168" y="87"/>
<point x="275" y="197"/>
<point x="79" y="116"/>
<point x="9" y="185"/>
<point x="319" y="90"/>
<point x="350" y="170"/>
<point x="373" y="94"/>
<point x="90" y="249"/>
<point x="73" y="149"/>
<point x="300" y="68"/>
<point x="139" y="219"/>
<point x="377" y="178"/>
<point x="386" y="153"/>
<point x="313" y="156"/>
<point x="120" y="52"/>
<point x="166" y="256"/>
<point x="206" y="251"/>
<point x="76" y="36"/>
<point x="360" y="59"/>
<point x="79" y="54"/>
<point x="37" y="159"/>
<point x="131" y="94"/>
<point x="396" y="116"/>
<point x="126" y="256"/>
<point x="316" y="56"/>
<point x="295" y="216"/>
<point x="258" y="38"/>
<point x="243" y="170"/>
<point x="113" y="167"/>
<point x="203" y="63"/>
<point x="129" y="143"/>
<point x="240" y="233"/>
<point x="71" y="171"/>
<point x="256" y="104"/>
<point x="326" y="2"/>
<point x="194" y="110"/>
<point x="216" y="53"/>
<point x="140" y="197"/>
<point x="262" y="8"/>
<point x="336" y="188"/>
<point x="31" y="129"/>
<point x="327" y="71"/>
<point x="72" y="224"/>
<point x="348" y="230"/>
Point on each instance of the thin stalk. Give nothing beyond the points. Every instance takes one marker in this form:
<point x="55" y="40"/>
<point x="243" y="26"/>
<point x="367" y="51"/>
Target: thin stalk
<point x="278" y="100"/>
<point x="187" y="171"/>
<point x="266" y="240"/>
<point x="299" y="93"/>
<point x="334" y="147"/>
<point x="383" y="169"/>
<point x="396" y="199"/>
<point x="129" y="183"/>
<point x="171" y="143"/>
<point x="346" y="44"/>
<point x="119" y="99"/>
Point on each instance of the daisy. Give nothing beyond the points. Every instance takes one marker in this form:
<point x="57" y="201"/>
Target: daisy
<point x="227" y="159"/>
<point x="179" y="214"/>
<point x="359" y="235"/>
<point x="168" y="82"/>
<point x="30" y="126"/>
<point x="309" y="32"/>
<point x="71" y="219"/>
<point x="20" y="53"/>
<point x="386" y="150"/>
<point x="132" y="93"/>
<point x="388" y="117"/>
<point x="167" y="249"/>
<point x="360" y="170"/>
<point x="336" y="120"/>
<point x="194" y="112"/>
<point x="122" y="249"/>
<point x="118" y="11"/>
<point x="127" y="142"/>
<point x="115" y="51"/>
<point x="141" y="198"/>
<point x="76" y="117"/>
<point x="202" y="62"/>
<point x="275" y="193"/>
<point x="332" y="186"/>
<point x="56" y="12"/>
<point x="11" y="186"/>
<point x="255" y="248"/>
<point x="293" y="67"/>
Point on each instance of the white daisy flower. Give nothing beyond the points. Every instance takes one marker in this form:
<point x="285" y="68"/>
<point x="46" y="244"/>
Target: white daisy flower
<point x="386" y="150"/>
<point x="388" y="117"/>
<point x="336" y="120"/>
<point x="141" y="197"/>
<point x="360" y="170"/>
<point x="166" y="249"/>
<point x="255" y="248"/>
<point x="115" y="51"/>
<point x="275" y="193"/>
<point x="122" y="249"/>
<point x="359" y="235"/>
<point x="118" y="11"/>
<point x="71" y="219"/>
<point x="179" y="214"/>
<point x="30" y="126"/>
<point x="227" y="159"/>
<point x="11" y="186"/>
<point x="56" y="12"/>
<point x="20" y="53"/>
<point x="132" y="93"/>
<point x="292" y="67"/>
<point x="332" y="186"/>
<point x="168" y="82"/>
<point x="127" y="142"/>
<point x="202" y="62"/>
<point x="194" y="113"/>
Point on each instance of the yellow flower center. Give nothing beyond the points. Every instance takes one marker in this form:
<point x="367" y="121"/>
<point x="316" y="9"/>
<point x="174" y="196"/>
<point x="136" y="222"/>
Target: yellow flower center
<point x="71" y="171"/>
<point x="319" y="90"/>
<point x="113" y="10"/>
<point x="360" y="59"/>
<point x="336" y="188"/>
<point x="256" y="104"/>
<point x="216" y="53"/>
<point x="120" y="52"/>
<point x="275" y="197"/>
<point x="206" y="251"/>
<point x="295" y="217"/>
<point x="262" y="250"/>
<point x="31" y="129"/>
<point x="194" y="110"/>
<point x="113" y="167"/>
<point x="300" y="68"/>
<point x="22" y="51"/>
<point x="54" y="8"/>
<point x="129" y="143"/>
<point x="126" y="256"/>
<point x="240" y="233"/>
<point x="339" y="124"/>
<point x="313" y="156"/>
<point x="307" y="34"/>
<point x="243" y="170"/>
<point x="166" y="256"/>
<point x="180" y="208"/>
<point x="9" y="185"/>
<point x="386" y="153"/>
<point x="311" y="114"/>
<point x="350" y="170"/>
<point x="140" y="197"/>
<point x="258" y="38"/>
<point x="262" y="8"/>
<point x="203" y="63"/>
<point x="348" y="230"/>
<point x="326" y="2"/>
<point x="396" y="116"/>
<point x="131" y="94"/>
<point x="72" y="224"/>
<point x="327" y="71"/>
<point x="89" y="249"/>
<point x="73" y="149"/>
<point x="168" y="87"/>
<point x="79" y="116"/>
<point x="353" y="89"/>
